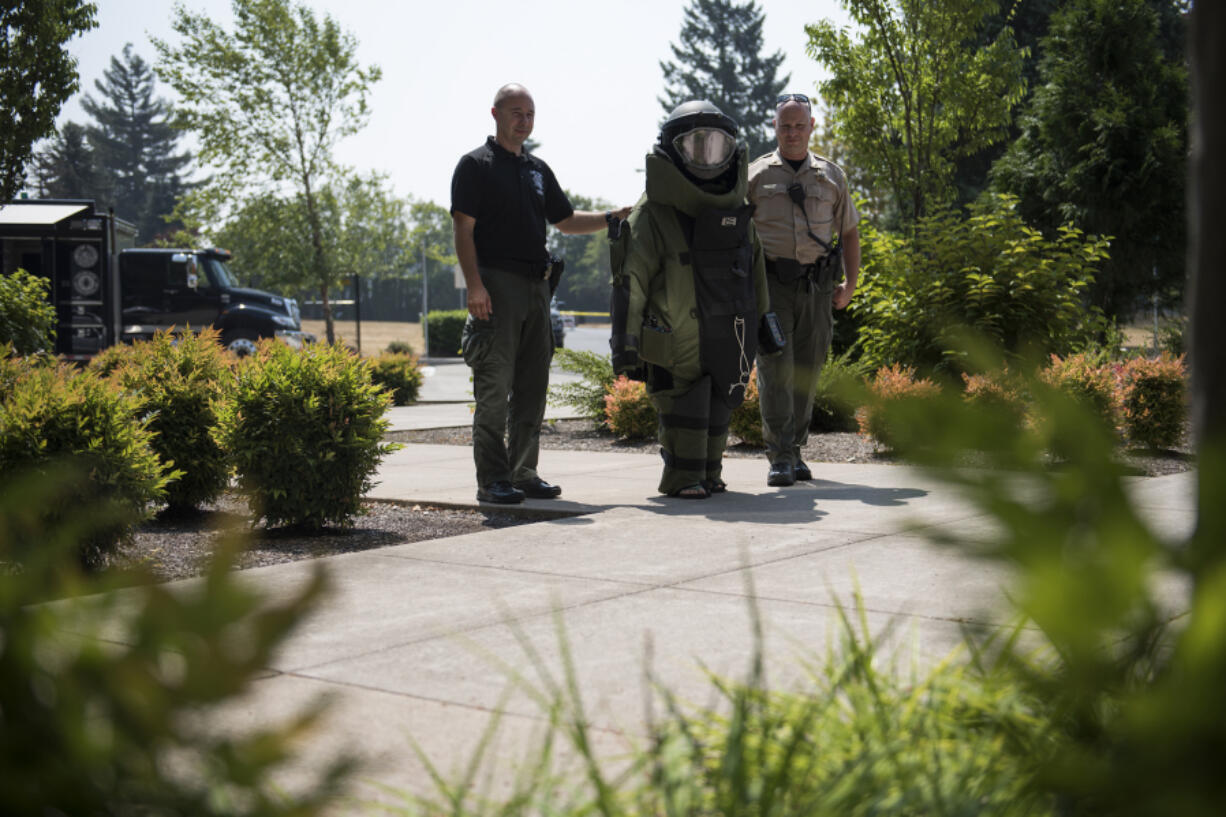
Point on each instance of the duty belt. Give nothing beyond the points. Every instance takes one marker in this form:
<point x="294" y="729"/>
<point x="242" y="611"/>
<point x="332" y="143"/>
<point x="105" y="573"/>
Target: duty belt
<point x="787" y="270"/>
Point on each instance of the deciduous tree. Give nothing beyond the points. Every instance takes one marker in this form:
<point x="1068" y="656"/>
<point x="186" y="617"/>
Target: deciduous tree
<point x="36" y="76"/>
<point x="365" y="231"/>
<point x="585" y="285"/>
<point x="913" y="90"/>
<point x="268" y="102"/>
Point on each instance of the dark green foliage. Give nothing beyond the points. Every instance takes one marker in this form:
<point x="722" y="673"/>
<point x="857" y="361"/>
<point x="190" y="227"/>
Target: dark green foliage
<point x="27" y="318"/>
<point x="446" y="328"/>
<point x="1174" y="336"/>
<point x="88" y="722"/>
<point x="180" y="383"/>
<point x="64" y="168"/>
<point x="585" y="284"/>
<point x="37" y="75"/>
<point x="55" y="414"/>
<point x="1154" y="403"/>
<point x="399" y="347"/>
<point x="398" y="374"/>
<point x="304" y="430"/>
<point x="834" y="404"/>
<point x="989" y="273"/>
<point x="134" y="146"/>
<point x="586" y="396"/>
<point x="1104" y="141"/>
<point x="718" y="57"/>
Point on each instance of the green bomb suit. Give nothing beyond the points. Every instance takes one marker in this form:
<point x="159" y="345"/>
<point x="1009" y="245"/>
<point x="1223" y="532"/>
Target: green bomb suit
<point x="698" y="355"/>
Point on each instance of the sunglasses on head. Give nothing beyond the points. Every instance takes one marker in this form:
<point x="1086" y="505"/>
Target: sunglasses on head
<point x="783" y="99"/>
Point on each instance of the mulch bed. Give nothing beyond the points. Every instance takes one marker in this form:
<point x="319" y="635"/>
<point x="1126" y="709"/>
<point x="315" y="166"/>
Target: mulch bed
<point x="176" y="548"/>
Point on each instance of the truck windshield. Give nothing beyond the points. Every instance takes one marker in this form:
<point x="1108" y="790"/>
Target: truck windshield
<point x="219" y="274"/>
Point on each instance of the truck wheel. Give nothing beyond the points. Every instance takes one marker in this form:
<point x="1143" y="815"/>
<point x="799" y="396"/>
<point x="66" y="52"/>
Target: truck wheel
<point x="241" y="343"/>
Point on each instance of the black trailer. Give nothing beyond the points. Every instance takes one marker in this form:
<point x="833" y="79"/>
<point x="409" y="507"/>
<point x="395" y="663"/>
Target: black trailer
<point x="76" y="247"/>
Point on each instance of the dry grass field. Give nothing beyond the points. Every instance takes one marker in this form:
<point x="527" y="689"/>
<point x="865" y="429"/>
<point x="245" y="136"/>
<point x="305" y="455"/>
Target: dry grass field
<point x="376" y="335"/>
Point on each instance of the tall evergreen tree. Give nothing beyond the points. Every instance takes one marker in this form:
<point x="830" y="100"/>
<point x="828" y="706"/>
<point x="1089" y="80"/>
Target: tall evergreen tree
<point x="718" y="58"/>
<point x="64" y="167"/>
<point x="1104" y="142"/>
<point x="134" y="145"/>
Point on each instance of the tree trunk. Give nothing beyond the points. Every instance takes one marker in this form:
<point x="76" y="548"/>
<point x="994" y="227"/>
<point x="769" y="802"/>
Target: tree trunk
<point x="327" y="305"/>
<point x="321" y="261"/>
<point x="1207" y="273"/>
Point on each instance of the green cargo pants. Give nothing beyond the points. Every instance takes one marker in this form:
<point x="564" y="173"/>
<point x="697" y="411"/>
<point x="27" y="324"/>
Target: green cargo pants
<point x="693" y="431"/>
<point x="509" y="355"/>
<point x="787" y="382"/>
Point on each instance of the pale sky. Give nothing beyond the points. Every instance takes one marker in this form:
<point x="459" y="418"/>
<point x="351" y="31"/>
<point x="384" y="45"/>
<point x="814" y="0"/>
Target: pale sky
<point x="592" y="67"/>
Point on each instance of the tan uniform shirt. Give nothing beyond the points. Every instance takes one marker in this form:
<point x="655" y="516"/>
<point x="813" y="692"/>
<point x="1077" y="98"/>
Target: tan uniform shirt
<point x="780" y="223"/>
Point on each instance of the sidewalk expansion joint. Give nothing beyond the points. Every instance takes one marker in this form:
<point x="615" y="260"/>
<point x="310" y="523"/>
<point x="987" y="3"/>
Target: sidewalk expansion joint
<point x="477" y="627"/>
<point x="445" y="702"/>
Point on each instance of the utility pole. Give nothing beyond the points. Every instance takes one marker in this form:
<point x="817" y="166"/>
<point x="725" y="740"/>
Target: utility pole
<point x="425" y="301"/>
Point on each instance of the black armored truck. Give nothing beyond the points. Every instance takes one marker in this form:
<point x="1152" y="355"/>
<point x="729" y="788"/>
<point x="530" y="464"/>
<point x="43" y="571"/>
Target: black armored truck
<point x="105" y="291"/>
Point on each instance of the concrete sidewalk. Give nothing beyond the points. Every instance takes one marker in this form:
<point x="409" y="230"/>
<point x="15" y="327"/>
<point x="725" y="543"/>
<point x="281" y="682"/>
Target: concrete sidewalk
<point x="416" y="639"/>
<point x="446" y="398"/>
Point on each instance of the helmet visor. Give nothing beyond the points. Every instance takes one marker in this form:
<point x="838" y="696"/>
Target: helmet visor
<point x="705" y="148"/>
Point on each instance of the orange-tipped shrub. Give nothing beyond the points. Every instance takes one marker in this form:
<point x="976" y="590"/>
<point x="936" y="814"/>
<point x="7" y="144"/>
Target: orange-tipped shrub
<point x="629" y="411"/>
<point x="997" y="392"/>
<point x="1153" y="400"/>
<point x="889" y="385"/>
<point x="1088" y="382"/>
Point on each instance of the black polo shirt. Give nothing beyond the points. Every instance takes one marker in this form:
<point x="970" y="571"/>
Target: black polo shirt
<point x="511" y="197"/>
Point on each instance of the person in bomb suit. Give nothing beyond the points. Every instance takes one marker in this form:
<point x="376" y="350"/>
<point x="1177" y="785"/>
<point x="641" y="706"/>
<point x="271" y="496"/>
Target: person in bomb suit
<point x="690" y="297"/>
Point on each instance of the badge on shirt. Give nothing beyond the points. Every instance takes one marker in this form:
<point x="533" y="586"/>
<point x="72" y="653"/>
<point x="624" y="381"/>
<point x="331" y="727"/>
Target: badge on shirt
<point x="538" y="182"/>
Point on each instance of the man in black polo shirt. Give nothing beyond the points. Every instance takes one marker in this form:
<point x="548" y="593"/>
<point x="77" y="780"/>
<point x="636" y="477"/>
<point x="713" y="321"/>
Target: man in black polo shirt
<point x="501" y="198"/>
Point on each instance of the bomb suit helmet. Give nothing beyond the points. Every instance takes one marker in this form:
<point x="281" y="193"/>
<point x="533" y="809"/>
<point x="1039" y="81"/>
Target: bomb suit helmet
<point x="699" y="138"/>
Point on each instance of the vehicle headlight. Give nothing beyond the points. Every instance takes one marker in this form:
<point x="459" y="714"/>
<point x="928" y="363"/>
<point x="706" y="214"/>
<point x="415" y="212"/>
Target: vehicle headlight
<point x="285" y="320"/>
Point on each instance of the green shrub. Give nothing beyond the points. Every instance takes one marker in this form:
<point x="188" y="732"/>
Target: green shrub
<point x="54" y="413"/>
<point x="399" y="347"/>
<point x="304" y="431"/>
<point x="27" y="318"/>
<point x="1134" y="695"/>
<point x="106" y="362"/>
<point x="446" y="329"/>
<point x="987" y="273"/>
<point x="1154" y="400"/>
<point x="630" y="413"/>
<point x="181" y="382"/>
<point x="119" y="718"/>
<point x="834" y="403"/>
<point x="746" y="419"/>
<point x="1173" y="336"/>
<point x="399" y="374"/>
<point x="890" y="385"/>
<point x="587" y="396"/>
<point x="1088" y="381"/>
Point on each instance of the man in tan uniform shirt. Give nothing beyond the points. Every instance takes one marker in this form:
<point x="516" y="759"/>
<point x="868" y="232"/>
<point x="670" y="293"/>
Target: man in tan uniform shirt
<point x="803" y="290"/>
